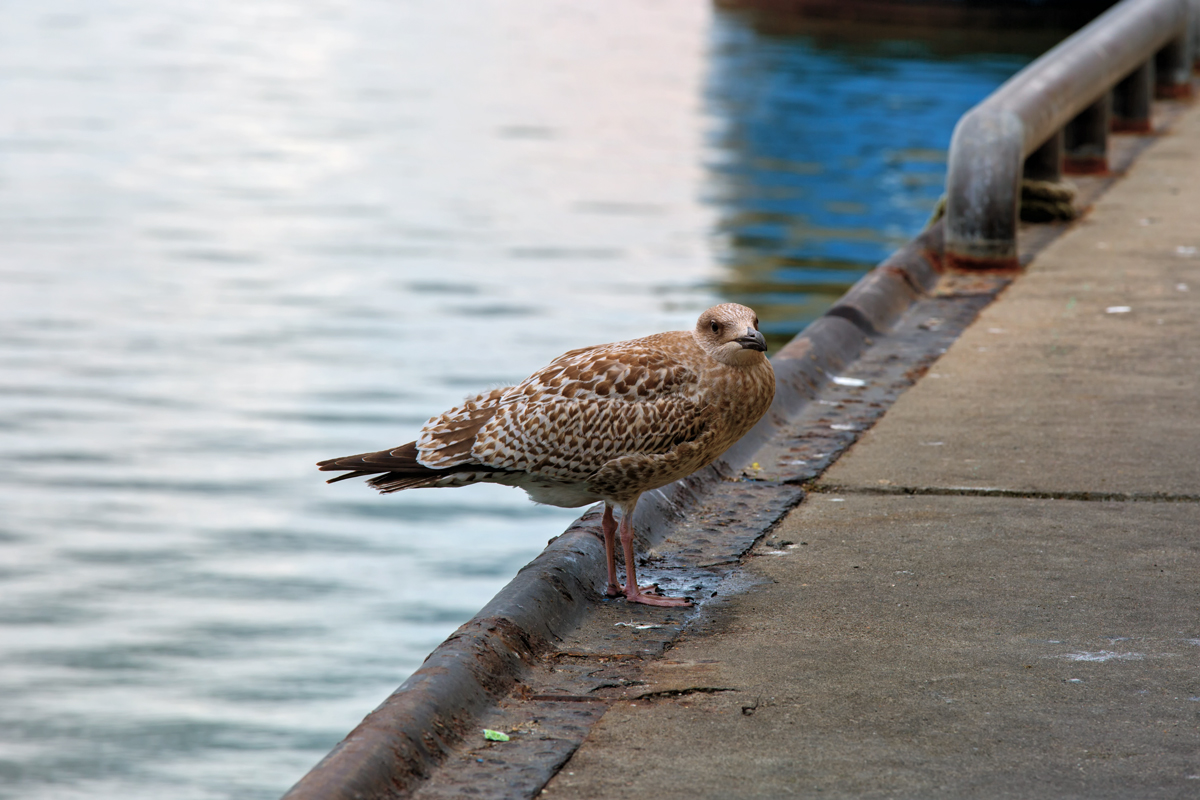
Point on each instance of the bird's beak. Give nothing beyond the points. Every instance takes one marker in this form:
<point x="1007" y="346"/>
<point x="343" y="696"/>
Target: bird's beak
<point x="752" y="340"/>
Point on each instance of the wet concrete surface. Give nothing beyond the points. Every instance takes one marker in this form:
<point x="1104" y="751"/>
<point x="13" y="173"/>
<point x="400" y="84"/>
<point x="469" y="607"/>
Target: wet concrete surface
<point x="994" y="592"/>
<point x="930" y="646"/>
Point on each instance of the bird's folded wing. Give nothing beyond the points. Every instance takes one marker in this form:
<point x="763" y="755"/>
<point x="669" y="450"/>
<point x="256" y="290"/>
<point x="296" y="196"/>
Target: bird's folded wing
<point x="569" y="440"/>
<point x="589" y="407"/>
<point x="446" y="440"/>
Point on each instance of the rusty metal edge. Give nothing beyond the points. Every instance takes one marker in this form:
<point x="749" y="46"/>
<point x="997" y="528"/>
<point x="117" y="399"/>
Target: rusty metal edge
<point x="397" y="745"/>
<point x="399" y="742"/>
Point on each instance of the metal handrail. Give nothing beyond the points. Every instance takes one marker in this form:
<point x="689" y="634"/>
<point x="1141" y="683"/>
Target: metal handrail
<point x="1070" y="90"/>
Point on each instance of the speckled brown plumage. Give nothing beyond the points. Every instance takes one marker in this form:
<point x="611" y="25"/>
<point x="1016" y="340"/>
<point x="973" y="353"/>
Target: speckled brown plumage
<point x="600" y="423"/>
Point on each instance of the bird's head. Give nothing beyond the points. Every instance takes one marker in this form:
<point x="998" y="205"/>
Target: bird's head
<point x="729" y="333"/>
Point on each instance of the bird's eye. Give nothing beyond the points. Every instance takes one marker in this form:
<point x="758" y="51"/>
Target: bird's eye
<point x="756" y="323"/>
<point x="716" y="327"/>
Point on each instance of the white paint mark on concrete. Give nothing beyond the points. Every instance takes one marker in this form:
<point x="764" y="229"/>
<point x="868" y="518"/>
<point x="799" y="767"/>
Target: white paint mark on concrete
<point x="1102" y="656"/>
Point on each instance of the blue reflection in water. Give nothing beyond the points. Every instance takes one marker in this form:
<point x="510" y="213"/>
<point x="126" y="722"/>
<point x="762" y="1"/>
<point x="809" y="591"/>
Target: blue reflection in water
<point x="830" y="154"/>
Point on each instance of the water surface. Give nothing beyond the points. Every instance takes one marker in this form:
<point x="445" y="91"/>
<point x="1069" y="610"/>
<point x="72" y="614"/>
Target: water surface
<point x="240" y="237"/>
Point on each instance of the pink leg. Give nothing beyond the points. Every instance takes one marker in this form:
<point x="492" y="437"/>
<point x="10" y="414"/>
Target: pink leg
<point x="610" y="551"/>
<point x="633" y="592"/>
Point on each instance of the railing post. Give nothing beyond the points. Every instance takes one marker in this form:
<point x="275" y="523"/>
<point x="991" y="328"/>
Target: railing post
<point x="1194" y="14"/>
<point x="1132" y="99"/>
<point x="1086" y="139"/>
<point x="983" y="191"/>
<point x="1173" y="67"/>
<point x="1046" y="163"/>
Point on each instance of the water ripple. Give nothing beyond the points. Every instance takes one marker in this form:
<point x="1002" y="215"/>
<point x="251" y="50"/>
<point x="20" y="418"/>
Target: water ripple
<point x="240" y="238"/>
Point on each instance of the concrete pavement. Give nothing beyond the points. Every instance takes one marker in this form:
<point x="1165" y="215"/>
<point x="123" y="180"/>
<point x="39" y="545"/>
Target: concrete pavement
<point x="996" y="591"/>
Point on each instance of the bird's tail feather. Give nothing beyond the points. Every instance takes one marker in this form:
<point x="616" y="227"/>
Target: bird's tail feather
<point x="395" y="469"/>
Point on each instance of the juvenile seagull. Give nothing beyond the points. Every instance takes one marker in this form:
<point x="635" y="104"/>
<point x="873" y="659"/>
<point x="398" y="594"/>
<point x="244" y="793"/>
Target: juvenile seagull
<point x="600" y="423"/>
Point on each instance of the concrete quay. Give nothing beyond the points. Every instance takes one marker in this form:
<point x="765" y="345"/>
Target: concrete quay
<point x="996" y="591"/>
